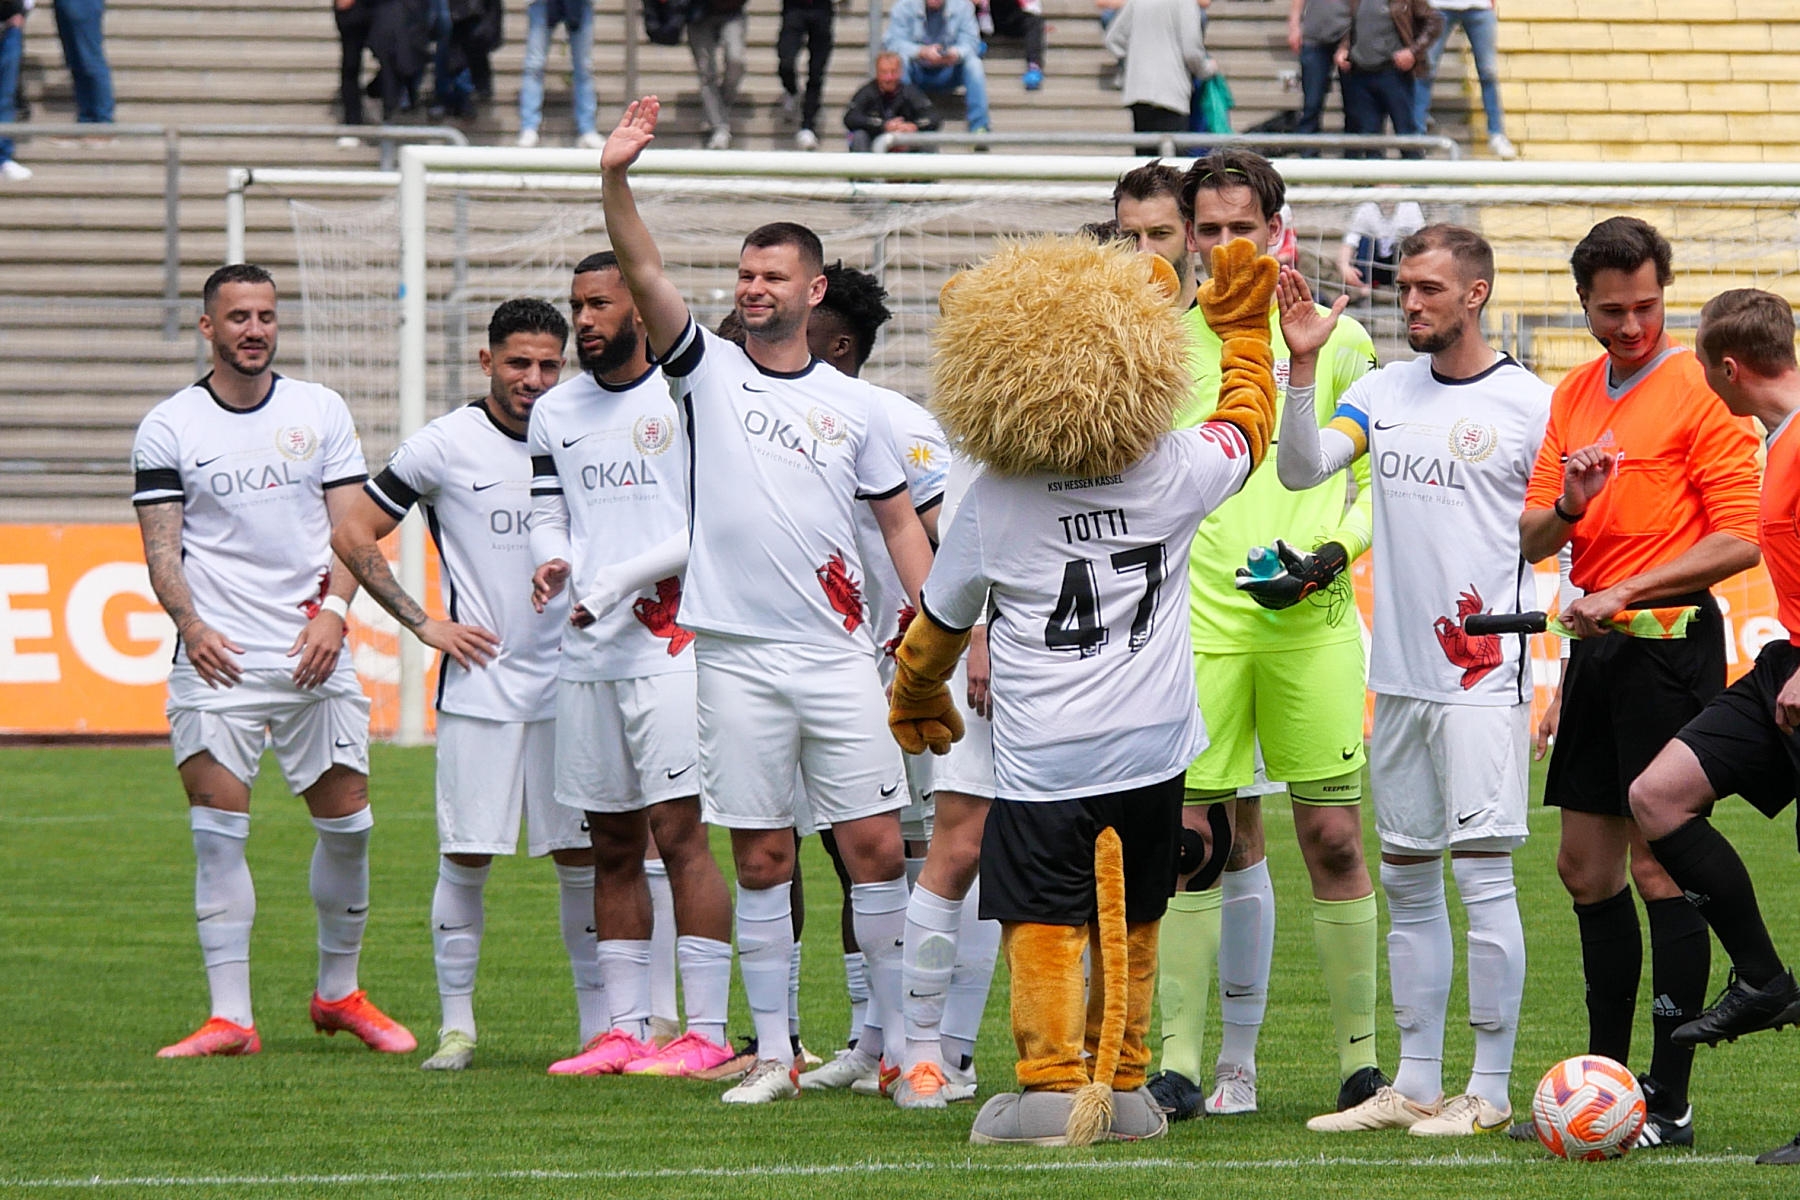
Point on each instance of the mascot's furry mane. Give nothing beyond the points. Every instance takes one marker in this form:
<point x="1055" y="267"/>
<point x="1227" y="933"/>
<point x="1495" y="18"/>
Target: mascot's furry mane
<point x="1059" y="355"/>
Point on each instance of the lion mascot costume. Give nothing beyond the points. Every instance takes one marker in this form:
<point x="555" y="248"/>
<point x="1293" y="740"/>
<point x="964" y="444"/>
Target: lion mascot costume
<point x="1058" y="366"/>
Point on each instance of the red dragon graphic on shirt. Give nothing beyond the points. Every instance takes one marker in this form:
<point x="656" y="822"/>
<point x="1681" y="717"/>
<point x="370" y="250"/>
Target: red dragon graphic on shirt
<point x="843" y="590"/>
<point x="311" y="605"/>
<point x="658" y="615"/>
<point x="907" y="613"/>
<point x="1476" y="655"/>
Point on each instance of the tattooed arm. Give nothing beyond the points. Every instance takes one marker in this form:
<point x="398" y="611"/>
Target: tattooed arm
<point x="210" y="651"/>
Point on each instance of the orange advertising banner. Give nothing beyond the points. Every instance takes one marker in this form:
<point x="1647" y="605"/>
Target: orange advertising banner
<point x="86" y="649"/>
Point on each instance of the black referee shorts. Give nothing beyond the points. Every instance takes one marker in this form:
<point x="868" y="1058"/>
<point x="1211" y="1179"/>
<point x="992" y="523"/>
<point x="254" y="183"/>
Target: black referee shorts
<point x="1037" y="856"/>
<point x="1623" y="699"/>
<point x="1736" y="739"/>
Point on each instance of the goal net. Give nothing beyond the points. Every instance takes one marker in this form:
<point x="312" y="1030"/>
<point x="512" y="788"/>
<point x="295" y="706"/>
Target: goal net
<point x="488" y="244"/>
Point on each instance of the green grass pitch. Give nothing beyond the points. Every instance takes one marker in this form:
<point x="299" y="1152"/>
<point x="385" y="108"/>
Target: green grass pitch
<point x="99" y="966"/>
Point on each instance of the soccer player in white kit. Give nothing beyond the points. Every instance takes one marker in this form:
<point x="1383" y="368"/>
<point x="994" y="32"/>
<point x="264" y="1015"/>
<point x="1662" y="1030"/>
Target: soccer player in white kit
<point x="239" y="479"/>
<point x="1452" y="435"/>
<point x="610" y="494"/>
<point x="470" y="474"/>
<point x="783" y="448"/>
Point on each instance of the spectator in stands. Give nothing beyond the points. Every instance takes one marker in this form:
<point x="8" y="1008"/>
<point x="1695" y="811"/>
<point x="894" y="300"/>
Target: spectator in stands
<point x="1370" y="251"/>
<point x="807" y="21"/>
<point x="1481" y="26"/>
<point x="1109" y="12"/>
<point x="12" y="51"/>
<point x="887" y="104"/>
<point x="377" y="26"/>
<point x="1164" y="53"/>
<point x="939" y="42"/>
<point x="1315" y="27"/>
<point x="716" y="27"/>
<point x="467" y="32"/>
<point x="577" y="18"/>
<point x="1022" y="19"/>
<point x="79" y="26"/>
<point x="1379" y="61"/>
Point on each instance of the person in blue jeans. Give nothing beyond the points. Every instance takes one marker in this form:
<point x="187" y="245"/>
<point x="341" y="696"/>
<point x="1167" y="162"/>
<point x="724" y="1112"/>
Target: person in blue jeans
<point x="941" y="46"/>
<point x="1378" y="62"/>
<point x="1481" y="25"/>
<point x="1315" y="27"/>
<point x="79" y="28"/>
<point x="12" y="49"/>
<point x="577" y="17"/>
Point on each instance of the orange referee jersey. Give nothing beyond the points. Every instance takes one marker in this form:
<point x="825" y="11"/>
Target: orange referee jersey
<point x="1687" y="468"/>
<point x="1778" y="521"/>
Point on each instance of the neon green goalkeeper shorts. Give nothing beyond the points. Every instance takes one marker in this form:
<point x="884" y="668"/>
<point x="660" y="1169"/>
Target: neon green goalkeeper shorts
<point x="1305" y="706"/>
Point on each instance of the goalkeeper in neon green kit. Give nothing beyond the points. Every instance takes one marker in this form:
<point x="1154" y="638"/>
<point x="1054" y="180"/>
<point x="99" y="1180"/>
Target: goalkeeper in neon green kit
<point x="1278" y="662"/>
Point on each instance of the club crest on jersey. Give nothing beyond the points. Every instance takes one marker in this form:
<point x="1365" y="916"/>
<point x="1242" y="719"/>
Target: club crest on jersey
<point x="658" y="615"/>
<point x="842" y="589"/>
<point x="919" y="454"/>
<point x="1477" y="654"/>
<point x="828" y="427"/>
<point x="297" y="443"/>
<point x="653" y="434"/>
<point x="1471" y="441"/>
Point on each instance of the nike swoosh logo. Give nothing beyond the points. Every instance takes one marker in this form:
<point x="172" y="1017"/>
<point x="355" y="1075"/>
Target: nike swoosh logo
<point x="584" y="826"/>
<point x="567" y="442"/>
<point x="748" y="388"/>
<point x="1465" y="820"/>
<point x="1238" y="995"/>
<point x="680" y="773"/>
<point x="1349" y="754"/>
<point x="923" y="995"/>
<point x="454" y="928"/>
<point x="356" y="910"/>
<point x="1389" y="425"/>
<point x="208" y="462"/>
<point x="345" y="745"/>
<point x="888" y="791"/>
<point x="482" y="487"/>
<point x="591" y="929"/>
<point x="1365" y="1037"/>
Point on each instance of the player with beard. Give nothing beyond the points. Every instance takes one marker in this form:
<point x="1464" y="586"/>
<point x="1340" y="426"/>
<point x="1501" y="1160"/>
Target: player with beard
<point x="1654" y="484"/>
<point x="239" y="480"/>
<point x="610" y="496"/>
<point x="1448" y="759"/>
<point x="470" y="473"/>
<point x="783" y="449"/>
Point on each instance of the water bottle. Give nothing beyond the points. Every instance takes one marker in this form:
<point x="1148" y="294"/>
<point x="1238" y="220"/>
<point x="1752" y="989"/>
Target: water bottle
<point x="1264" y="563"/>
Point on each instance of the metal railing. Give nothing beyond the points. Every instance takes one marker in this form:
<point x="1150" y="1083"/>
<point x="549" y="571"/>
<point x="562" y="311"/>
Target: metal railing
<point x="387" y="137"/>
<point x="1168" y="143"/>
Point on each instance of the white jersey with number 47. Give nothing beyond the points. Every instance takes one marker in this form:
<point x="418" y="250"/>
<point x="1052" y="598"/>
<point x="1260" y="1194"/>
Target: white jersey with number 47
<point x="1093" y="675"/>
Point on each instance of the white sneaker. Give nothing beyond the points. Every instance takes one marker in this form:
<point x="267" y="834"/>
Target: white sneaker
<point x="590" y="140"/>
<point x="959" y="1085"/>
<point x="790" y="106"/>
<point x="1502" y="146"/>
<point x="1234" y="1091"/>
<point x="527" y="138"/>
<point x="921" y="1087"/>
<point x="1464" y="1116"/>
<point x="14" y="171"/>
<point x="1386" y="1109"/>
<point x="719" y="139"/>
<point x="767" y="1082"/>
<point x="844" y="1069"/>
<point x="806" y="139"/>
<point x="348" y="142"/>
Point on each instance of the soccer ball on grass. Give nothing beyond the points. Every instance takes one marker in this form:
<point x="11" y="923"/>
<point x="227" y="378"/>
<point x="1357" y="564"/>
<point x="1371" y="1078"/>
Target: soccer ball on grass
<point x="1588" y="1108"/>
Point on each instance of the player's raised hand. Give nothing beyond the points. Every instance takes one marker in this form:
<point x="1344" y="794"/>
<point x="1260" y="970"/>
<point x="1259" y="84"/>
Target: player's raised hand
<point x="1584" y="476"/>
<point x="636" y="129"/>
<point x="212" y="652"/>
<point x="317" y="648"/>
<point x="470" y="645"/>
<point x="547" y="583"/>
<point x="1303" y="327"/>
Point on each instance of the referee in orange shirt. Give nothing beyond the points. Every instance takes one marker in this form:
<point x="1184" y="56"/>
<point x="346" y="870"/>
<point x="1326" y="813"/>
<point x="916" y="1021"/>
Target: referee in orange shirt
<point x="1655" y="483"/>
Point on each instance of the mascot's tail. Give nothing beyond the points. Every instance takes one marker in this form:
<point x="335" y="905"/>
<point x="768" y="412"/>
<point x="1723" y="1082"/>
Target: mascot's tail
<point x="1092" y="1115"/>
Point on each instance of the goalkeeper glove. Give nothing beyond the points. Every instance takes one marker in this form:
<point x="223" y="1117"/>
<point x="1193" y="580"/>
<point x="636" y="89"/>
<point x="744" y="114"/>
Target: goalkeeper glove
<point x="1300" y="577"/>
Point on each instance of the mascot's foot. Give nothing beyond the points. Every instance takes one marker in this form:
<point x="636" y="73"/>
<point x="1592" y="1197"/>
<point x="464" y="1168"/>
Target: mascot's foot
<point x="1137" y="1116"/>
<point x="1024" y="1119"/>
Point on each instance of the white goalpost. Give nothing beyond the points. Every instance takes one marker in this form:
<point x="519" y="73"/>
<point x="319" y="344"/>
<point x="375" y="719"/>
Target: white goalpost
<point x="396" y="283"/>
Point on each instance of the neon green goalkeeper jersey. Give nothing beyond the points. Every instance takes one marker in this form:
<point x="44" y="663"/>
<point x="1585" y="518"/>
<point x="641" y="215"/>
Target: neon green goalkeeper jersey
<point x="1225" y="620"/>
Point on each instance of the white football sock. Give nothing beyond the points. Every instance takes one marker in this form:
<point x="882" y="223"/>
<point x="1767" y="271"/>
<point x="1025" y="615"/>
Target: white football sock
<point x="1419" y="966"/>
<point x="879" y="912"/>
<point x="625" y="968"/>
<point x="575" y="904"/>
<point x="224" y="908"/>
<point x="856" y="982"/>
<point x="977" y="949"/>
<point x="914" y="868"/>
<point x="663" y="1005"/>
<point x="457" y="919"/>
<point x="765" y="931"/>
<point x="1496" y="970"/>
<point x="926" y="964"/>
<point x="1246" y="955"/>
<point x="706" y="983"/>
<point x="340" y="892"/>
<point x="794" y="990"/>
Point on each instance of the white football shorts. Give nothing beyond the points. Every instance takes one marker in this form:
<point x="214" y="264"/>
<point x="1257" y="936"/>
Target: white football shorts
<point x="1447" y="775"/>
<point x="969" y="767"/>
<point x="625" y="744"/>
<point x="491" y="773"/>
<point x="310" y="731"/>
<point x="768" y="708"/>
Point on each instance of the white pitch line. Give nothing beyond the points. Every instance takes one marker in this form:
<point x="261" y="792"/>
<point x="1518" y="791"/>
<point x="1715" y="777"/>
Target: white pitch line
<point x="792" y="1171"/>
